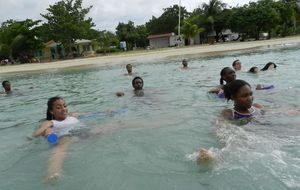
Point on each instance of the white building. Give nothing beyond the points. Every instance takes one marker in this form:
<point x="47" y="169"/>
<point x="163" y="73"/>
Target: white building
<point x="162" y="40"/>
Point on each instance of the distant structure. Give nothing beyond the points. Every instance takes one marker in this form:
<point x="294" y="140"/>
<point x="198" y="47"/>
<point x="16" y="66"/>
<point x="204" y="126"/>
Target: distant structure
<point x="163" y="40"/>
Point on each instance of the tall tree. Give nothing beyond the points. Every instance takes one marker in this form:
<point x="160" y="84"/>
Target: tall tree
<point x="66" y="22"/>
<point x="211" y="12"/>
<point x="190" y="28"/>
<point x="107" y="39"/>
<point x="127" y="32"/>
<point x="19" y="39"/>
<point x="289" y="12"/>
<point x="168" y="21"/>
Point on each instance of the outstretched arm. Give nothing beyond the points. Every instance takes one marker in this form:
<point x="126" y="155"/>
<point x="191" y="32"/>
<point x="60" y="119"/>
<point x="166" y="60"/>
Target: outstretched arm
<point x="41" y="131"/>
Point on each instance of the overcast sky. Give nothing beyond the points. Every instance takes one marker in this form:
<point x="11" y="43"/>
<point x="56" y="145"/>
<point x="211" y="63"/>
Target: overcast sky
<point x="106" y="14"/>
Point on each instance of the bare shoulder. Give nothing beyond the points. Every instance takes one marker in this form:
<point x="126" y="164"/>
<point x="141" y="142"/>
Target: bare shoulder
<point x="227" y="113"/>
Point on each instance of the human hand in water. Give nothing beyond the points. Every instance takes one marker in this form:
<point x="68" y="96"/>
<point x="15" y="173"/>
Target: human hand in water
<point x="204" y="156"/>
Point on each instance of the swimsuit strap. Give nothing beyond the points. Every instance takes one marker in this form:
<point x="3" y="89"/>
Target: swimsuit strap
<point x="238" y="115"/>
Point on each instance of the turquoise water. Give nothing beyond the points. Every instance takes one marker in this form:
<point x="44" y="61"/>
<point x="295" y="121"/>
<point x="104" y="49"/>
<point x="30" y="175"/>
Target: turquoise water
<point x="152" y="144"/>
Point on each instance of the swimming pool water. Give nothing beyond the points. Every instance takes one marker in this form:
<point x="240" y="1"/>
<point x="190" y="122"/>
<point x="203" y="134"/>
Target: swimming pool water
<point x="150" y="145"/>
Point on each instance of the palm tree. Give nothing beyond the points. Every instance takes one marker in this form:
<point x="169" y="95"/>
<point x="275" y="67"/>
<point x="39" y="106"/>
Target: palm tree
<point x="211" y="10"/>
<point x="190" y="29"/>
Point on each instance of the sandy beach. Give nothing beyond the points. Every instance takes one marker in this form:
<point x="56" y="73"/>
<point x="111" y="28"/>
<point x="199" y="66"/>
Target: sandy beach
<point x="148" y="55"/>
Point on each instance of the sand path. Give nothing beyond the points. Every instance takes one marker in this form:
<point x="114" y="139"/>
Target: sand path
<point x="147" y="55"/>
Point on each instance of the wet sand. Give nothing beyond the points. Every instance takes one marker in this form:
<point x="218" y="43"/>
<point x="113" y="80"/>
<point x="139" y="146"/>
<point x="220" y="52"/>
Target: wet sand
<point x="148" y="55"/>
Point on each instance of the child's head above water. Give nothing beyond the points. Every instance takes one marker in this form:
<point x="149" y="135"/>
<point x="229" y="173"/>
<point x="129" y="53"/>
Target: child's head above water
<point x="137" y="83"/>
<point x="227" y="75"/>
<point x="57" y="109"/>
<point x="240" y="92"/>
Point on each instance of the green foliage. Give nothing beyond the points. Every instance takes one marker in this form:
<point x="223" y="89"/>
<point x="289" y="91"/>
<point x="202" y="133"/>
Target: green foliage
<point x="107" y="39"/>
<point x="134" y="36"/>
<point x="167" y="22"/>
<point x="190" y="28"/>
<point x="19" y="38"/>
<point x="289" y="12"/>
<point x="128" y="33"/>
<point x="250" y="20"/>
<point x="213" y="14"/>
<point x="66" y="22"/>
<point x="107" y="50"/>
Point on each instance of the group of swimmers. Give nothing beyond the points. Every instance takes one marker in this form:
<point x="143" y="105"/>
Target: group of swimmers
<point x="240" y="92"/>
<point x="237" y="66"/>
<point x="59" y="122"/>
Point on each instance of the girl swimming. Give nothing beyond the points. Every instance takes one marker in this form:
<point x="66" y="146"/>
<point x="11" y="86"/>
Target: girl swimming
<point x="227" y="75"/>
<point x="59" y="122"/>
<point x="240" y="92"/>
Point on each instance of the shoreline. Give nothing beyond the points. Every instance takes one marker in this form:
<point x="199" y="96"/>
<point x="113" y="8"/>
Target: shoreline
<point x="147" y="55"/>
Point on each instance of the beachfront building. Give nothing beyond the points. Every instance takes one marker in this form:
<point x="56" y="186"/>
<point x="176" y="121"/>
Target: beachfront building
<point x="163" y="40"/>
<point x="85" y="47"/>
<point x="55" y="50"/>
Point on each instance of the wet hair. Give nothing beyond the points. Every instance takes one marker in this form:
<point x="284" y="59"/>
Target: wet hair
<point x="50" y="103"/>
<point x="232" y="88"/>
<point x="184" y="61"/>
<point x="3" y="83"/>
<point x="135" y="78"/>
<point x="266" y="67"/>
<point x="222" y="73"/>
<point x="252" y="69"/>
<point x="234" y="63"/>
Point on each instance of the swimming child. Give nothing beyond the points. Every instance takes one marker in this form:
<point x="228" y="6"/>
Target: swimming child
<point x="7" y="86"/>
<point x="138" y="84"/>
<point x="253" y="70"/>
<point x="237" y="65"/>
<point x="184" y="64"/>
<point x="227" y="75"/>
<point x="59" y="122"/>
<point x="240" y="92"/>
<point x="269" y="66"/>
<point x="129" y="70"/>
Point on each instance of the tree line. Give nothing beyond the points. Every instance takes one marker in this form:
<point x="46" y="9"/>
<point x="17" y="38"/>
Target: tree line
<point x="66" y="21"/>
